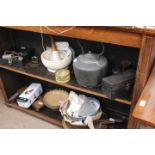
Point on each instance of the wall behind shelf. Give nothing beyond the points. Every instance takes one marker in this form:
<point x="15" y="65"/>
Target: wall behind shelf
<point x="5" y="40"/>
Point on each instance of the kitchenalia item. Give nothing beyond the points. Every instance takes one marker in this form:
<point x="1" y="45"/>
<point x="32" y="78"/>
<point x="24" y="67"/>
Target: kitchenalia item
<point x="62" y="75"/>
<point x="38" y="104"/>
<point x="81" y="106"/>
<point x="116" y="70"/>
<point x="97" y="125"/>
<point x="90" y="68"/>
<point x="59" y="57"/>
<point x="35" y="60"/>
<point x="125" y="65"/>
<point x="67" y="124"/>
<point x="18" y="56"/>
<point x="88" y="111"/>
<point x="55" y="55"/>
<point x="115" y="84"/>
<point x="102" y="123"/>
<point x="17" y="93"/>
<point x="54" y="98"/>
<point x="89" y="108"/>
<point x="88" y="121"/>
<point x="29" y="95"/>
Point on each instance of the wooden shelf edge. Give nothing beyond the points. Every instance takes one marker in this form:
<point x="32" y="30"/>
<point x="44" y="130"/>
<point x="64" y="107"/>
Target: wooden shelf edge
<point x="37" y="115"/>
<point x="93" y="33"/>
<point x="144" y="121"/>
<point x="65" y="85"/>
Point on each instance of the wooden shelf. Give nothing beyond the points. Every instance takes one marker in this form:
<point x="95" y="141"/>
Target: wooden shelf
<point x="144" y="39"/>
<point x="97" y="33"/>
<point x="53" y="117"/>
<point x="41" y="73"/>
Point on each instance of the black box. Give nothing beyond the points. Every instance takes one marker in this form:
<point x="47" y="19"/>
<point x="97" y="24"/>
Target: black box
<point x="113" y="85"/>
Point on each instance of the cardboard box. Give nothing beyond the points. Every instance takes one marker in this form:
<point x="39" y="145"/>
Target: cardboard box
<point x="30" y="94"/>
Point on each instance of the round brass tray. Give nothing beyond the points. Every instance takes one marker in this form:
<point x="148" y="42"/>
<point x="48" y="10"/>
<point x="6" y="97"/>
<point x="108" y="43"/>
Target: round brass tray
<point x="54" y="98"/>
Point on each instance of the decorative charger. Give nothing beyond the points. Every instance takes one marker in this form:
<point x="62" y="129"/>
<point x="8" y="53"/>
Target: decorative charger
<point x="54" y="98"/>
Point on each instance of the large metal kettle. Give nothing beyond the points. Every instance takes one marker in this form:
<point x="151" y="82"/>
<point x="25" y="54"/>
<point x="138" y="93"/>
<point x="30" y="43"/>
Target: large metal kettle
<point x="90" y="68"/>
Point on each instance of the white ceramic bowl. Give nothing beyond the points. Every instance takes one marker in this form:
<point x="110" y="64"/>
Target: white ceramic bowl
<point x="53" y="65"/>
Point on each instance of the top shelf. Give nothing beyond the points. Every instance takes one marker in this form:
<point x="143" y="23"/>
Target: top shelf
<point x="94" y="33"/>
<point x="41" y="73"/>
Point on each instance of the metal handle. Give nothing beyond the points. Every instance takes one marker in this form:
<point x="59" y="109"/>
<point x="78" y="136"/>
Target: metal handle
<point x="81" y="47"/>
<point x="100" y="54"/>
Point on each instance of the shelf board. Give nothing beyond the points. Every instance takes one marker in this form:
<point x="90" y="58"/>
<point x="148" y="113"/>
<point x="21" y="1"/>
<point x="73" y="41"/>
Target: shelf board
<point x="111" y="35"/>
<point x="41" y="73"/>
<point x="53" y="117"/>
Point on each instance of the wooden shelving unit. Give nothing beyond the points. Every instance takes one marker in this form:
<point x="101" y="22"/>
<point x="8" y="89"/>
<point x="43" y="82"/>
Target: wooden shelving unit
<point x="134" y="38"/>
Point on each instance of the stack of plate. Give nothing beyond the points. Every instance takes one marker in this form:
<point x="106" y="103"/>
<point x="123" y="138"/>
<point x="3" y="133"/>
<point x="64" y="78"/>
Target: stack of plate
<point x="90" y="108"/>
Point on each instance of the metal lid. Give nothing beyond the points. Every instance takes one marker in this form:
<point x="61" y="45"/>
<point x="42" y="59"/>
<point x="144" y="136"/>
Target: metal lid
<point x="62" y="75"/>
<point x="90" y="61"/>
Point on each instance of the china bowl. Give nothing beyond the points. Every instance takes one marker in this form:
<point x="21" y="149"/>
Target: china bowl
<point x="53" y="65"/>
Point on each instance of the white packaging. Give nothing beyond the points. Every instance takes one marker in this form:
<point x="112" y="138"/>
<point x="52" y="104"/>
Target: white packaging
<point x="62" y="46"/>
<point x="29" y="95"/>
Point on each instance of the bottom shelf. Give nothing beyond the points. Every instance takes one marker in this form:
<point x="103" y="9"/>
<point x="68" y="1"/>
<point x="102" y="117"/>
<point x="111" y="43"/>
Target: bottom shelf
<point x="46" y="114"/>
<point x="55" y="118"/>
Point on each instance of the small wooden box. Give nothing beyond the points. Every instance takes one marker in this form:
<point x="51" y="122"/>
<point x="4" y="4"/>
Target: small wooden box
<point x="38" y="104"/>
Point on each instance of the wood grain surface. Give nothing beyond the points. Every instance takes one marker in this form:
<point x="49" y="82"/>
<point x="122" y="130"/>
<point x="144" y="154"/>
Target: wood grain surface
<point x="101" y="34"/>
<point x="145" y="108"/>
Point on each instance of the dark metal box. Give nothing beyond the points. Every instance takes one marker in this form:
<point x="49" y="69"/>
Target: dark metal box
<point x="113" y="85"/>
